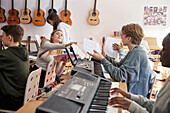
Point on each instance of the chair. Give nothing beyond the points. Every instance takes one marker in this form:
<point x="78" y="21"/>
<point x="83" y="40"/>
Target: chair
<point x="50" y="74"/>
<point x="31" y="90"/>
<point x="152" y="80"/>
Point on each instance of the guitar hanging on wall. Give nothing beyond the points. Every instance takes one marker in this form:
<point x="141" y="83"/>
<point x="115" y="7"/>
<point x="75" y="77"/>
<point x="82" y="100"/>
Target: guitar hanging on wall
<point x="2" y="16"/>
<point x="93" y="19"/>
<point x="13" y="15"/>
<point x="38" y="19"/>
<point x="65" y="15"/>
<point x="52" y="10"/>
<point x="25" y="16"/>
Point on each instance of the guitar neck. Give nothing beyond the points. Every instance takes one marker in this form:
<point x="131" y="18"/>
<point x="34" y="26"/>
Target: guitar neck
<point x="65" y="6"/>
<point x="38" y="7"/>
<point x="25" y="5"/>
<point x="52" y="5"/>
<point x="0" y="3"/>
<point x="94" y="6"/>
<point x="12" y="7"/>
<point x="0" y="6"/>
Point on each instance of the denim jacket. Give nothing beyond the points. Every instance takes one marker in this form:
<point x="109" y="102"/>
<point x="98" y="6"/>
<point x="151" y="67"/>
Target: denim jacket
<point x="134" y="69"/>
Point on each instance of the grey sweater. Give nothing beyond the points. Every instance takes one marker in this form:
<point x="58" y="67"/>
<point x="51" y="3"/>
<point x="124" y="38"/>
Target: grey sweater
<point x="143" y="105"/>
<point x="134" y="69"/>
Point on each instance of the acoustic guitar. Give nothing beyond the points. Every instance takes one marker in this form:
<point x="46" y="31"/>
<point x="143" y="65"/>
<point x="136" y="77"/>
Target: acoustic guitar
<point x="2" y="16"/>
<point x="93" y="19"/>
<point x="13" y="15"/>
<point x="52" y="10"/>
<point x="38" y="19"/>
<point x="25" y="16"/>
<point x="65" y="15"/>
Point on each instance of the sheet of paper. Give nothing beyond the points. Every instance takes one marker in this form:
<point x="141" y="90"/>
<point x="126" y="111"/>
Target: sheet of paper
<point x="37" y="37"/>
<point x="90" y="45"/>
<point x="108" y="47"/>
<point x="78" y="51"/>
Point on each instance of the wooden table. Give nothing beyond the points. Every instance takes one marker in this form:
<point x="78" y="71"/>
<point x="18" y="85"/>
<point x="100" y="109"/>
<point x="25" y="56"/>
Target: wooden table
<point x="31" y="106"/>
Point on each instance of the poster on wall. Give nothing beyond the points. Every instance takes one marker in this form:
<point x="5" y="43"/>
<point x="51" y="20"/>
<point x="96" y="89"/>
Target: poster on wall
<point x="155" y="15"/>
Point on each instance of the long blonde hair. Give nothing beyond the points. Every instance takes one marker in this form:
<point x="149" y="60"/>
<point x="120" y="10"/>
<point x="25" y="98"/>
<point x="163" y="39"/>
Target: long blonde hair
<point x="59" y="51"/>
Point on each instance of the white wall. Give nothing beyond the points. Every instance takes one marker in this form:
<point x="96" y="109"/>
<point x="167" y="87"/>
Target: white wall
<point x="113" y="14"/>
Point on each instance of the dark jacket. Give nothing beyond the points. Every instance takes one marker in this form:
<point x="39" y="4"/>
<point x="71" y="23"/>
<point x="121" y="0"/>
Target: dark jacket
<point x="14" y="70"/>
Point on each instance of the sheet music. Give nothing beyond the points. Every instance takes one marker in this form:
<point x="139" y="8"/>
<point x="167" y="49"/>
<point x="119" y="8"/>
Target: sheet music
<point x="37" y="37"/>
<point x="78" y="51"/>
<point x="90" y="45"/>
<point x="108" y="47"/>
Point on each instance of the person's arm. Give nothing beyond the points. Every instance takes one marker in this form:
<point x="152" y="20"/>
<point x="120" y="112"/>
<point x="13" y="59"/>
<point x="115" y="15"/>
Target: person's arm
<point x="48" y="45"/>
<point x="60" y="65"/>
<point x="125" y="102"/>
<point x="127" y="71"/>
<point x="139" y="100"/>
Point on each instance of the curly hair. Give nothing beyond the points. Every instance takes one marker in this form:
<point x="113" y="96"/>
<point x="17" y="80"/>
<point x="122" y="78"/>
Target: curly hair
<point x="134" y="31"/>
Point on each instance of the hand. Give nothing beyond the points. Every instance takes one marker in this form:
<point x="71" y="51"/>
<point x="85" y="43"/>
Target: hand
<point x="68" y="44"/>
<point x="120" y="102"/>
<point x="117" y="46"/>
<point x="117" y="90"/>
<point x="65" y="59"/>
<point x="42" y="38"/>
<point x="96" y="55"/>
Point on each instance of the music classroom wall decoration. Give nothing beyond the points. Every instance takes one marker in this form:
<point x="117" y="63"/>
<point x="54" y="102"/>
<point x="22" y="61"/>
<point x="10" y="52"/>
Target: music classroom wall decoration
<point x="38" y="19"/>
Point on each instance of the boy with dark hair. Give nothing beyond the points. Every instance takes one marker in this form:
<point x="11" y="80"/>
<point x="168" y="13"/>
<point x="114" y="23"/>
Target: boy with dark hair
<point x="14" y="68"/>
<point x="134" y="68"/>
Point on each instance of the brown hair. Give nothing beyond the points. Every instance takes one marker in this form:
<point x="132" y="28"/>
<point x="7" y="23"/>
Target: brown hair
<point x="134" y="31"/>
<point x="59" y="51"/>
<point x="55" y="18"/>
<point x="15" y="30"/>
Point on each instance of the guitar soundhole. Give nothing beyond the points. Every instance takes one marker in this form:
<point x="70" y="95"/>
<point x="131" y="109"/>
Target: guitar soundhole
<point x="12" y="20"/>
<point x="24" y="18"/>
<point x="94" y="14"/>
<point x="93" y="19"/>
<point x="0" y="17"/>
<point x="66" y="22"/>
<point x="38" y="20"/>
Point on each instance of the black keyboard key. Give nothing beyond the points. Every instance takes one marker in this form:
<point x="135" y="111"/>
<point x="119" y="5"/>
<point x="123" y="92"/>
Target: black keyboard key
<point x="100" y="102"/>
<point x="100" y="98"/>
<point x="98" y="107"/>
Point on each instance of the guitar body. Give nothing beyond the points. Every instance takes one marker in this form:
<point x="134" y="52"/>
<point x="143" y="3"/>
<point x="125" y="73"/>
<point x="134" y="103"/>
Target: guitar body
<point x="66" y="17"/>
<point x="13" y="18"/>
<point x="2" y="15"/>
<point x="38" y="20"/>
<point x="25" y="16"/>
<point x="93" y="18"/>
<point x="51" y="11"/>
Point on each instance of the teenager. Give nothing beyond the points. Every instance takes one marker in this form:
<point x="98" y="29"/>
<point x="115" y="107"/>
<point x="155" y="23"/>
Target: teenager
<point x="57" y="23"/>
<point x="14" y="68"/>
<point x="134" y="68"/>
<point x="48" y="49"/>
